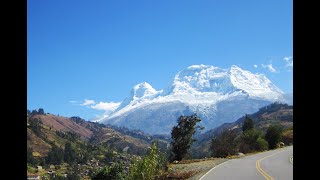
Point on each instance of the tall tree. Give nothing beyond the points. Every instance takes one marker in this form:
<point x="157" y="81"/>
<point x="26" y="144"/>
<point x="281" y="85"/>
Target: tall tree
<point x="224" y="144"/>
<point x="41" y="111"/>
<point x="182" y="135"/>
<point x="273" y="135"/>
<point x="36" y="126"/>
<point x="247" y="124"/>
<point x="69" y="153"/>
<point x="55" y="156"/>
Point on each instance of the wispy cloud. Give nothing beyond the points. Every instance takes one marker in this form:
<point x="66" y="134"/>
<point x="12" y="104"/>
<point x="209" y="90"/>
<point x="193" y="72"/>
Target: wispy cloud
<point x="106" y="106"/>
<point x="255" y="66"/>
<point x="87" y="102"/>
<point x="269" y="67"/>
<point x="289" y="61"/>
<point x="73" y="102"/>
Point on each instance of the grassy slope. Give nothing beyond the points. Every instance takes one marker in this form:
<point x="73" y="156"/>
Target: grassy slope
<point x="52" y="123"/>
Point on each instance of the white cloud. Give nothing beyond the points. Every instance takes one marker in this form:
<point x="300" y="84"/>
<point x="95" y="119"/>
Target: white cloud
<point x="106" y="106"/>
<point x="289" y="61"/>
<point x="269" y="67"/>
<point x="73" y="102"/>
<point x="87" y="102"/>
<point x="255" y="66"/>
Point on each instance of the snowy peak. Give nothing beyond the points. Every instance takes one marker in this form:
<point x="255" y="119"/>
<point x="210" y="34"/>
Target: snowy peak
<point x="143" y="90"/>
<point x="217" y="95"/>
<point x="256" y="85"/>
<point x="201" y="78"/>
<point x="139" y="93"/>
<point x="206" y="78"/>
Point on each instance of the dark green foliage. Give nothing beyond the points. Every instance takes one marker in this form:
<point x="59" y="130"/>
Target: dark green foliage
<point x="262" y="144"/>
<point x="41" y="111"/>
<point x="74" y="174"/>
<point x="224" y="144"/>
<point x="69" y="153"/>
<point x="34" y="112"/>
<point x="28" y="112"/>
<point x="55" y="156"/>
<point x="35" y="126"/>
<point x="182" y="135"/>
<point x="71" y="136"/>
<point x="273" y="135"/>
<point x="149" y="167"/>
<point x="30" y="159"/>
<point x="251" y="141"/>
<point x="247" y="124"/>
<point x="113" y="172"/>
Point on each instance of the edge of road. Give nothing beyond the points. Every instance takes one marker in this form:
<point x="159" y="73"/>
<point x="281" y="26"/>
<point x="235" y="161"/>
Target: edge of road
<point x="213" y="169"/>
<point x="291" y="159"/>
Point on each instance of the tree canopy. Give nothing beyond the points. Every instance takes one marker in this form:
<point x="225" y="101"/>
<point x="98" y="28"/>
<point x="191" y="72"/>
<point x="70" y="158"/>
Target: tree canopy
<point x="273" y="135"/>
<point x="247" y="124"/>
<point x="182" y="135"/>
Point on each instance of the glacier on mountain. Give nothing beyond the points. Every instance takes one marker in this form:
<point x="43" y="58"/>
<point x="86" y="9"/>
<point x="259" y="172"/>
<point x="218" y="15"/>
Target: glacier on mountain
<point x="217" y="95"/>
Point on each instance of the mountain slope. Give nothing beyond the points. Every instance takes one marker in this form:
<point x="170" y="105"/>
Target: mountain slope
<point x="217" y="95"/>
<point x="42" y="137"/>
<point x="275" y="113"/>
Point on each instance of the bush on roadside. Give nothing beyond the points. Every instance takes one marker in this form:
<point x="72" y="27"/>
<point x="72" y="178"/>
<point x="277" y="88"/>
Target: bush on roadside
<point x="149" y="167"/>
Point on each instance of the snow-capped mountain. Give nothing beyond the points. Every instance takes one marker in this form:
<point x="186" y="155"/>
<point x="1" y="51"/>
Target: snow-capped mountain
<point x="217" y="95"/>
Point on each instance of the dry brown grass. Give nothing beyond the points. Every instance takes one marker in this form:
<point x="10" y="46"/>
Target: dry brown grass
<point x="63" y="124"/>
<point x="192" y="169"/>
<point x="182" y="175"/>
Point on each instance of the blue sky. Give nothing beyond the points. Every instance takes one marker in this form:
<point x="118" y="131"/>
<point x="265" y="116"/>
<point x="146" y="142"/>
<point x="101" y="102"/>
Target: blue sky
<point x="98" y="50"/>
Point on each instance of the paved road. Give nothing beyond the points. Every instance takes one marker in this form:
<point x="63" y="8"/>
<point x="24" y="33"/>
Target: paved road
<point x="271" y="165"/>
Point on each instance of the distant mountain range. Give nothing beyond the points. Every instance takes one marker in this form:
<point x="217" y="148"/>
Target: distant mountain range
<point x="217" y="95"/>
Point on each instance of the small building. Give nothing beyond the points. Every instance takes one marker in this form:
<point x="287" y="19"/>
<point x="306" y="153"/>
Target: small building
<point x="33" y="176"/>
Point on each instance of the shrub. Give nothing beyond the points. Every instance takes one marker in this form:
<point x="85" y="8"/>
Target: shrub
<point x="113" y="172"/>
<point x="224" y="144"/>
<point x="149" y="167"/>
<point x="251" y="141"/>
<point x="273" y="135"/>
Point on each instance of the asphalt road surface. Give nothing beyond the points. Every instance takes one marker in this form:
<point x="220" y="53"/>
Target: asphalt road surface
<point x="270" y="165"/>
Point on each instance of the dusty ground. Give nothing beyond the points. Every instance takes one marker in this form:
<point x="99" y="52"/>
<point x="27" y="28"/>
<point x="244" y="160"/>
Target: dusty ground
<point x="194" y="169"/>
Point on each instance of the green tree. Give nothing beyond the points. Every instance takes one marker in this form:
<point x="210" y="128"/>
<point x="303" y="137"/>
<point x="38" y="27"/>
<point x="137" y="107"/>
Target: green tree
<point x="69" y="153"/>
<point x="251" y="141"/>
<point x="30" y="159"/>
<point x="113" y="172"/>
<point x="149" y="167"/>
<point x="182" y="135"/>
<point x="41" y="111"/>
<point x="273" y="135"/>
<point x="224" y="144"/>
<point x="55" y="155"/>
<point x="34" y="112"/>
<point x="35" y="126"/>
<point x="247" y="124"/>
